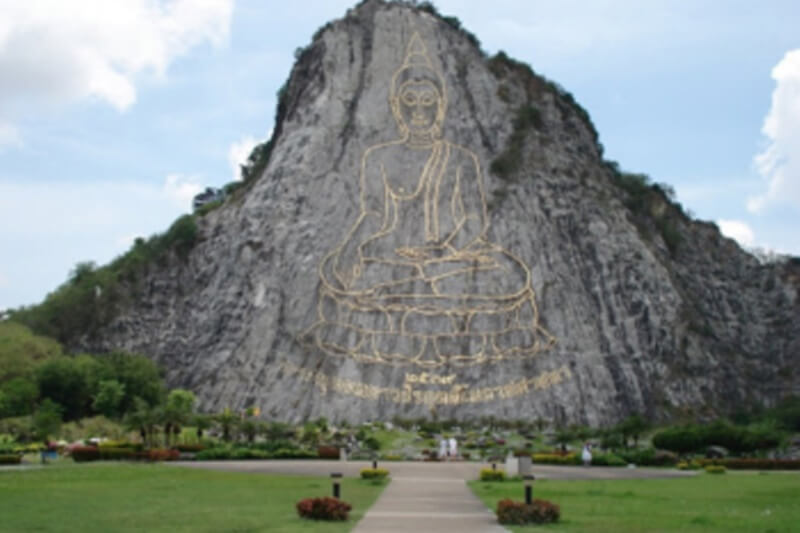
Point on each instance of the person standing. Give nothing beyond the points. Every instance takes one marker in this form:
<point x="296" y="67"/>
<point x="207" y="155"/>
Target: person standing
<point x="586" y="454"/>
<point x="453" y="447"/>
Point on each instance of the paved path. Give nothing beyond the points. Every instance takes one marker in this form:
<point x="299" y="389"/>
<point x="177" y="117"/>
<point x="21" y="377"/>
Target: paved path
<point x="424" y="497"/>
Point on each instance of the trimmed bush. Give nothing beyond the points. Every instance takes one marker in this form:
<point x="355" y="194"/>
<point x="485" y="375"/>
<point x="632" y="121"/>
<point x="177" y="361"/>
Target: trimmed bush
<point x="10" y="459"/>
<point x="323" y="509"/>
<point x="374" y="473"/>
<point x="114" y="454"/>
<point x="328" y="452"/>
<point x="555" y="459"/>
<point x="607" y="459"/>
<point x="753" y="463"/>
<point x="487" y="474"/>
<point x="519" y="513"/>
<point x="160" y="454"/>
<point x="715" y="469"/>
<point x="189" y="448"/>
<point x="83" y="454"/>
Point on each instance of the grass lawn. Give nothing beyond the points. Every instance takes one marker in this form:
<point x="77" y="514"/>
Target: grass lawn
<point x="746" y="502"/>
<point x="159" y="497"/>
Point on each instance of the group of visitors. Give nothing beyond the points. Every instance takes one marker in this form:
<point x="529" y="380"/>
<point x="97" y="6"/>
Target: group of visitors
<point x="448" y="448"/>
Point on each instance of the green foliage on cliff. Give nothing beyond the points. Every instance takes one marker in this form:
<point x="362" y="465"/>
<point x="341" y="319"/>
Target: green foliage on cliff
<point x="92" y="296"/>
<point x="507" y="163"/>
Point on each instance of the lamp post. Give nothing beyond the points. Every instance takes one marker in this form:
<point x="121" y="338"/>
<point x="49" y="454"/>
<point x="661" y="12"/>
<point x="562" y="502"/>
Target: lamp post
<point x="528" y="489"/>
<point x="337" y="489"/>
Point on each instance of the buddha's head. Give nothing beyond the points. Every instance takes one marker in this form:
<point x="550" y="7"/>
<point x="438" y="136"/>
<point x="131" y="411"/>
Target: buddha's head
<point x="418" y="97"/>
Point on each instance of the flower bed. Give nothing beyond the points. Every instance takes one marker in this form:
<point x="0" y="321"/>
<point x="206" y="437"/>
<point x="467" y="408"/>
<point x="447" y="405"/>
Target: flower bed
<point x="519" y="513"/>
<point x="323" y="509"/>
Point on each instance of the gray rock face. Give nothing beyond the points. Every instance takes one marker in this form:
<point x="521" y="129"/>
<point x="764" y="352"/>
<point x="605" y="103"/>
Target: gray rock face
<point x="381" y="266"/>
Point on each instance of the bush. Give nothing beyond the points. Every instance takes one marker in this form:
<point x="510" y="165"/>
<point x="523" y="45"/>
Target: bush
<point x="160" y="454"/>
<point x="608" y="459"/>
<point x="753" y="463"/>
<point x="82" y="454"/>
<point x="189" y="448"/>
<point x="555" y="459"/>
<point x="214" y="454"/>
<point x="715" y="469"/>
<point x="115" y="454"/>
<point x="487" y="474"/>
<point x="519" y="513"/>
<point x="374" y="473"/>
<point x="690" y="465"/>
<point x="649" y="457"/>
<point x="328" y="452"/>
<point x="10" y="459"/>
<point x="323" y="509"/>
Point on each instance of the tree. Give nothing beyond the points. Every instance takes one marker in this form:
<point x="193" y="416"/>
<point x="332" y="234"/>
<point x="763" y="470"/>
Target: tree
<point x="109" y="397"/>
<point x="632" y="427"/>
<point x="19" y="397"/>
<point x="47" y="420"/>
<point x="62" y="381"/>
<point x="140" y="376"/>
<point x="144" y="419"/>
<point x="201" y="422"/>
<point x="177" y="411"/>
<point x="227" y="421"/>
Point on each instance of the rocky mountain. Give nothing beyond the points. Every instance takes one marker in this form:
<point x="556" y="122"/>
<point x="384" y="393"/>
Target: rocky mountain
<point x="436" y="232"/>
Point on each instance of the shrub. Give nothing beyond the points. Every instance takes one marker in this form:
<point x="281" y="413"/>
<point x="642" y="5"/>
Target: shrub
<point x="293" y="453"/>
<point x="114" y="454"/>
<point x="161" y="454"/>
<point x="374" y="473"/>
<point x="608" y="459"/>
<point x="519" y="513"/>
<point x="753" y="463"/>
<point x="555" y="459"/>
<point x="394" y="457"/>
<point x="715" y="469"/>
<point x="328" y="452"/>
<point x="487" y="474"/>
<point x="82" y="454"/>
<point x="10" y="459"/>
<point x="190" y="448"/>
<point x="323" y="509"/>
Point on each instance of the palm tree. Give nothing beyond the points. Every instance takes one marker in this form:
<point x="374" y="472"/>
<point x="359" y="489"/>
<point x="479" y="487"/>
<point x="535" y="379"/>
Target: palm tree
<point x="227" y="421"/>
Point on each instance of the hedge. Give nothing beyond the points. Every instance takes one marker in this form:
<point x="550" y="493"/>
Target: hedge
<point x="374" y="473"/>
<point x="753" y="463"/>
<point x="10" y="459"/>
<point x="487" y="474"/>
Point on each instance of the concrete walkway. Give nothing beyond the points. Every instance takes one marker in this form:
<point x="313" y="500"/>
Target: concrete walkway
<point x="428" y="501"/>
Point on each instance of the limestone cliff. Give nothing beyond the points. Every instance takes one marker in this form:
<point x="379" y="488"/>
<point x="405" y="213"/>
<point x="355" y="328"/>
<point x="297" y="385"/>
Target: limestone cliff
<point x="437" y="231"/>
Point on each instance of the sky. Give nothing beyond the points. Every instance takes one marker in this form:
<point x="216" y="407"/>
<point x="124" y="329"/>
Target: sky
<point x="114" y="113"/>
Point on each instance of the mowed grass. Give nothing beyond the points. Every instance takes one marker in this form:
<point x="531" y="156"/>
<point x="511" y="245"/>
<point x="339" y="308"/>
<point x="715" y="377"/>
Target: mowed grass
<point x="746" y="502"/>
<point x="156" y="497"/>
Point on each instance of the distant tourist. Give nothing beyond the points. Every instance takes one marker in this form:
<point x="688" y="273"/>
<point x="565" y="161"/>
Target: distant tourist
<point x="443" y="448"/>
<point x="453" y="447"/>
<point x="586" y="454"/>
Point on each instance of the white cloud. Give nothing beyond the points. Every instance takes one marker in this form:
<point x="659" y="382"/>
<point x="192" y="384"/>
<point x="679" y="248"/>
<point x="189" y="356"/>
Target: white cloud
<point x="779" y="163"/>
<point x="180" y="190"/>
<point x="738" y="231"/>
<point x="54" y="52"/>
<point x="51" y="226"/>
<point x="238" y="153"/>
<point x="9" y="136"/>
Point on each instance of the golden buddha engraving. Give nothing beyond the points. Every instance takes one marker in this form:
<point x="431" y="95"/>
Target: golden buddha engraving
<point x="415" y="280"/>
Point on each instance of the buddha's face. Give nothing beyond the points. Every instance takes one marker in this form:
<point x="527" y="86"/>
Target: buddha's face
<point x="418" y="104"/>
